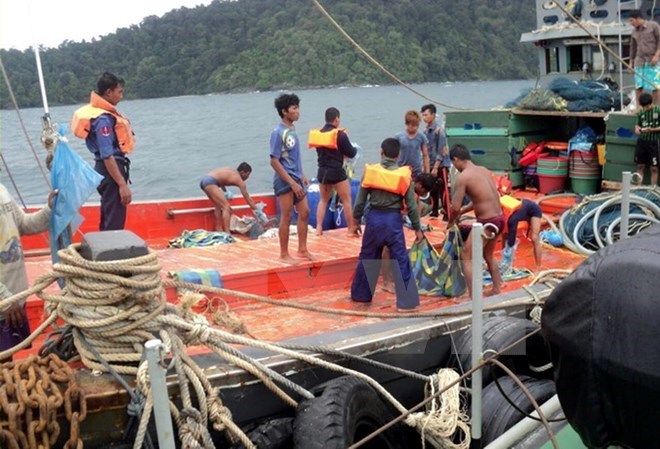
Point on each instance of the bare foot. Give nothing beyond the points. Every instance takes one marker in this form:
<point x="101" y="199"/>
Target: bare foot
<point x="305" y="255"/>
<point x="414" y="309"/>
<point x="387" y="287"/>
<point x="492" y="292"/>
<point x="290" y="260"/>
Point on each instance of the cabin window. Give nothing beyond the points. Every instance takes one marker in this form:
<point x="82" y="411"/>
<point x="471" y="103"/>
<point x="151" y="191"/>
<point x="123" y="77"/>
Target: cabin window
<point x="574" y="58"/>
<point x="625" y="14"/>
<point x="653" y="13"/>
<point x="552" y="60"/>
<point x="601" y="14"/>
<point x="550" y="20"/>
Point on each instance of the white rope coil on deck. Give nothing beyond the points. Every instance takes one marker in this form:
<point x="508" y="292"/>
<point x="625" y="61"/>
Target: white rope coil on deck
<point x="117" y="306"/>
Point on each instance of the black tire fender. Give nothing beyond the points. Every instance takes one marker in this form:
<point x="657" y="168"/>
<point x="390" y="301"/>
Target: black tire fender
<point x="499" y="415"/>
<point x="499" y="332"/>
<point x="275" y="433"/>
<point x="348" y="410"/>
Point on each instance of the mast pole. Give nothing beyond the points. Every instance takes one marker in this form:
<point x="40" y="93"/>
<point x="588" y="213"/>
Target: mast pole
<point x="42" y="85"/>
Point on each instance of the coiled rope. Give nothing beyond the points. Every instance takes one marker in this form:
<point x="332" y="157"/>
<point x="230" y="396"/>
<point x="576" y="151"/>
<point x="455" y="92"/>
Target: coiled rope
<point x="582" y="226"/>
<point x="116" y="306"/>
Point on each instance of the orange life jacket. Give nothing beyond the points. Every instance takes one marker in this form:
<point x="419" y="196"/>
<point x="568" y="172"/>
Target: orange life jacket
<point x="82" y="118"/>
<point x="327" y="139"/>
<point x="378" y="177"/>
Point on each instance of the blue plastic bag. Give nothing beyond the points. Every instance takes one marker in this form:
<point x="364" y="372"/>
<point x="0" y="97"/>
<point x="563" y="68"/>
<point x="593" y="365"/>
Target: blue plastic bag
<point x="75" y="181"/>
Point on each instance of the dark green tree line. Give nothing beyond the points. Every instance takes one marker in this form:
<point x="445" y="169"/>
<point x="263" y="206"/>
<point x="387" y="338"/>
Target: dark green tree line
<point x="270" y="44"/>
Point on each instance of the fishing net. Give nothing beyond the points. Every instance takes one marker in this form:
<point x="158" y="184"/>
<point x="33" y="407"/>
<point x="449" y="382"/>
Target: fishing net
<point x="563" y="94"/>
<point x="542" y="100"/>
<point x="439" y="273"/>
<point x="585" y="95"/>
<point x="585" y="234"/>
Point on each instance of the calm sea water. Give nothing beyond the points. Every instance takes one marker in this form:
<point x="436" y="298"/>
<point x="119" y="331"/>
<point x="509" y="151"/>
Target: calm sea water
<point x="182" y="138"/>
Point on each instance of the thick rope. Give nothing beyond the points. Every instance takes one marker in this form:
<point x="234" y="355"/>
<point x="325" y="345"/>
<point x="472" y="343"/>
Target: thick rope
<point x="459" y="311"/>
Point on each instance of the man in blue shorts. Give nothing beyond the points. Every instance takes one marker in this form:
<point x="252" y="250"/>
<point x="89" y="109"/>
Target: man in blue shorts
<point x="289" y="181"/>
<point x="214" y="185"/>
<point x="530" y="212"/>
<point x="644" y="54"/>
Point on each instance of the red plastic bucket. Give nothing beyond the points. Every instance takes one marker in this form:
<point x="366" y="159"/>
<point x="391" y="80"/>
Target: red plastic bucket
<point x="550" y="183"/>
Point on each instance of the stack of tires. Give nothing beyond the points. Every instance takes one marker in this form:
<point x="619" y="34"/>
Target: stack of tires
<point x="504" y="403"/>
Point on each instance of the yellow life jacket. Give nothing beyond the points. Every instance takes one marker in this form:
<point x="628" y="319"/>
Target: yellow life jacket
<point x="509" y="205"/>
<point x="378" y="177"/>
<point x="82" y="118"/>
<point x="327" y="139"/>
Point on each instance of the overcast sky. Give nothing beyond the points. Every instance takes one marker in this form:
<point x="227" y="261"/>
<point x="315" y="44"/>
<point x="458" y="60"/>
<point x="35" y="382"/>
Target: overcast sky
<point x="49" y="23"/>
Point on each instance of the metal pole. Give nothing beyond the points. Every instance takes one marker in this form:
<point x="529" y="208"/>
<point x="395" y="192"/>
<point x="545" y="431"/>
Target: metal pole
<point x="42" y="84"/>
<point x="159" y="393"/>
<point x="620" y="60"/>
<point x="625" y="203"/>
<point x="477" y="330"/>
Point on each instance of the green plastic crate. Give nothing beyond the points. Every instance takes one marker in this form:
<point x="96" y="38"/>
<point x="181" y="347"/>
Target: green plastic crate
<point x="488" y="144"/>
<point x="620" y="120"/>
<point x="477" y="119"/>
<point x="612" y="170"/>
<point x="533" y="124"/>
<point x="623" y="154"/>
<point x="493" y="160"/>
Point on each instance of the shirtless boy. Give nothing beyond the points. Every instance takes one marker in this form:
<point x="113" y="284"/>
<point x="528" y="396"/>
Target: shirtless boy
<point x="477" y="182"/>
<point x="214" y="185"/>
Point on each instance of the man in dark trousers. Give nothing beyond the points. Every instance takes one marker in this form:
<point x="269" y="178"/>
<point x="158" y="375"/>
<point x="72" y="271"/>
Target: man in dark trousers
<point x="109" y="136"/>
<point x="387" y="188"/>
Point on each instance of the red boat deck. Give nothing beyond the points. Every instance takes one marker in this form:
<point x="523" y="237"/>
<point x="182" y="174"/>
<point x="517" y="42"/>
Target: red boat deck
<point x="254" y="267"/>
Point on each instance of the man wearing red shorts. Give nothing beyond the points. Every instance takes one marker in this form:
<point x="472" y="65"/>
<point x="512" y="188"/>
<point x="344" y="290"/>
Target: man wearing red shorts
<point x="477" y="183"/>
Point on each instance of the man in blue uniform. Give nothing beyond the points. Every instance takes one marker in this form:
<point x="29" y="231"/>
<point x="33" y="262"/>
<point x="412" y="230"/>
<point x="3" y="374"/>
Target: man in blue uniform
<point x="386" y="191"/>
<point x="110" y="145"/>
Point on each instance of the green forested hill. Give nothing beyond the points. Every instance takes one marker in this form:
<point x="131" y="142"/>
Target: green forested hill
<point x="270" y="44"/>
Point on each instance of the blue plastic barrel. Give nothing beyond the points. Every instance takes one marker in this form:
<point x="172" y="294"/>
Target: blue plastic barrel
<point x="339" y="221"/>
<point x="313" y="198"/>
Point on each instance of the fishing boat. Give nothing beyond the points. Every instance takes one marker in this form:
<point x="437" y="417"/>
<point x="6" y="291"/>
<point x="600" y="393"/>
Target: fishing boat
<point x="582" y="50"/>
<point x="293" y="326"/>
<point x="578" y="44"/>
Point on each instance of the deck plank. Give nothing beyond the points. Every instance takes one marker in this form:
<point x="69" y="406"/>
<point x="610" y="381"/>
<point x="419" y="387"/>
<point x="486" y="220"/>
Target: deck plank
<point x="254" y="267"/>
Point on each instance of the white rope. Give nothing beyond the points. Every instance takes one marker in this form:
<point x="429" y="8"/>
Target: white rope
<point x="444" y="420"/>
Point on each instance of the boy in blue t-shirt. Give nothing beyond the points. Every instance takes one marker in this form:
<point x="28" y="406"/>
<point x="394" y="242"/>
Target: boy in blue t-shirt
<point x="289" y="181"/>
